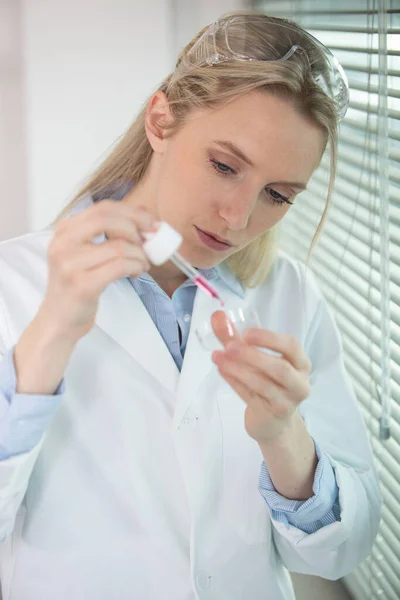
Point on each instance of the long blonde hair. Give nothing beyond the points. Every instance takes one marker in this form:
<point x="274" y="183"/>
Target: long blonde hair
<point x="203" y="86"/>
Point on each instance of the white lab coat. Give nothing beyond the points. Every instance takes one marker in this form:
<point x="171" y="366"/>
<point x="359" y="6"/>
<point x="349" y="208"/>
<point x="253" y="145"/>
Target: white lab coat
<point x="145" y="486"/>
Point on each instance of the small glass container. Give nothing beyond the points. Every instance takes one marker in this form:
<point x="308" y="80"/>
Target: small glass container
<point x="239" y="319"/>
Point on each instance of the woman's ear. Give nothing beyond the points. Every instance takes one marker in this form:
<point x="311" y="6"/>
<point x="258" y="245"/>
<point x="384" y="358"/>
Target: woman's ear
<point x="158" y="115"/>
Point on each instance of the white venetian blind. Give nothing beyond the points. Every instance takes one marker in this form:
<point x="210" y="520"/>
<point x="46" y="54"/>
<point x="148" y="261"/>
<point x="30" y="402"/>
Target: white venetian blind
<point x="357" y="259"/>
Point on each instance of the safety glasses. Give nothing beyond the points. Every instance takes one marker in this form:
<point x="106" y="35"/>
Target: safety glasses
<point x="230" y="40"/>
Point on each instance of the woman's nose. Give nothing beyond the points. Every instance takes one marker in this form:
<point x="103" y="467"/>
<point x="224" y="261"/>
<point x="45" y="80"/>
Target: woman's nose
<point x="236" y="212"/>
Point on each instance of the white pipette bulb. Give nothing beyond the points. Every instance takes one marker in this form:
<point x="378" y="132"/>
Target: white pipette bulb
<point x="162" y="244"/>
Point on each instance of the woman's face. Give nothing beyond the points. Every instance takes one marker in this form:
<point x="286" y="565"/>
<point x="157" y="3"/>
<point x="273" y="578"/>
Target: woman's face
<point x="231" y="172"/>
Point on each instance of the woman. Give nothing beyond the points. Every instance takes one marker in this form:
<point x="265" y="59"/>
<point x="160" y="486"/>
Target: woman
<point x="133" y="463"/>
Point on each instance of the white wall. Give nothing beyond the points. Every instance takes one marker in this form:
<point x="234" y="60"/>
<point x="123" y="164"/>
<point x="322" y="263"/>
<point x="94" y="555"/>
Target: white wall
<point x="88" y="67"/>
<point x="190" y="17"/>
<point x="13" y="184"/>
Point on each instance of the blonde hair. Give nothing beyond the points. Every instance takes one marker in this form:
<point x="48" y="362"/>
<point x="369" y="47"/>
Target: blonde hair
<point x="205" y="86"/>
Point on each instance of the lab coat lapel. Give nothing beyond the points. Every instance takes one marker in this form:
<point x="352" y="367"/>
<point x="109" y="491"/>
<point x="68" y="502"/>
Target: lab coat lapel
<point x="124" y="318"/>
<point x="197" y="364"/>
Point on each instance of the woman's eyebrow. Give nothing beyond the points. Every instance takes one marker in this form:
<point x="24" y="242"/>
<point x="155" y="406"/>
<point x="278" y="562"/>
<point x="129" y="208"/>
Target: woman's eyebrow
<point x="235" y="150"/>
<point x="240" y="154"/>
<point x="300" y="186"/>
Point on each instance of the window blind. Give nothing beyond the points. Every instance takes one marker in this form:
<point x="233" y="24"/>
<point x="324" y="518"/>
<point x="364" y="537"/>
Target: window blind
<point x="357" y="259"/>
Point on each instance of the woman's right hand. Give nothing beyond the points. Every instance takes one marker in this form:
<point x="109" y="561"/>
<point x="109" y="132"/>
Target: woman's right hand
<point x="79" y="269"/>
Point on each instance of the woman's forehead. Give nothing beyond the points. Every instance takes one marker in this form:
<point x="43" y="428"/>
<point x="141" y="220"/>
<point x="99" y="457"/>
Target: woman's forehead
<point x="260" y="127"/>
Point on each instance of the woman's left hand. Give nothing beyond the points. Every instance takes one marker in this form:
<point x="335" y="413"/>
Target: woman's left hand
<point x="272" y="386"/>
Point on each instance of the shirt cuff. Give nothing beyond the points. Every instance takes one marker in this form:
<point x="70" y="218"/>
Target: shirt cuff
<point x="24" y="418"/>
<point x="309" y="515"/>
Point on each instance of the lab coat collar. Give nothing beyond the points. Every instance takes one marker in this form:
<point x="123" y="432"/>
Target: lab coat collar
<point x="124" y="318"/>
<point x="230" y="280"/>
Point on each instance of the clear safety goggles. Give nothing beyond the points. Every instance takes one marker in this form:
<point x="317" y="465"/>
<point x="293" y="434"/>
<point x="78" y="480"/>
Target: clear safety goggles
<point x="229" y="40"/>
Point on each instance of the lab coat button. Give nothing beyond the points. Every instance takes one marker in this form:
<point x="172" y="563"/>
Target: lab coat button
<point x="190" y="420"/>
<point x="202" y="580"/>
<point x="187" y="318"/>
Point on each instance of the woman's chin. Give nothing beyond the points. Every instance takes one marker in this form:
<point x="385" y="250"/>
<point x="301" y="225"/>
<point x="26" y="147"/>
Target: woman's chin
<point x="208" y="264"/>
<point x="202" y="258"/>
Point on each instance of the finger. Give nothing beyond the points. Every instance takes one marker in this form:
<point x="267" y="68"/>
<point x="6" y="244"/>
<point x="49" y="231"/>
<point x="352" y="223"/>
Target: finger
<point x="238" y="387"/>
<point x="91" y="255"/>
<point x="258" y="403"/>
<point x="97" y="279"/>
<point x="277" y="369"/>
<point x="253" y="381"/>
<point x="223" y="328"/>
<point x="109" y="217"/>
<point x="287" y="345"/>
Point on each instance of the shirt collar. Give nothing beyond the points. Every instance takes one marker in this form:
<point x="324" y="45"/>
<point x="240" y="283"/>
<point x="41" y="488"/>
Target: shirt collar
<point x="221" y="274"/>
<point x="230" y="279"/>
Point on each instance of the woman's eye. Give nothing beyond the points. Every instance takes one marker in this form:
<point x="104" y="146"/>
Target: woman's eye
<point x="222" y="168"/>
<point x="276" y="197"/>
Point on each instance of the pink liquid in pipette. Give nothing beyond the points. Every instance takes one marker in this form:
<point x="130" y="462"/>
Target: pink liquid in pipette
<point x="204" y="285"/>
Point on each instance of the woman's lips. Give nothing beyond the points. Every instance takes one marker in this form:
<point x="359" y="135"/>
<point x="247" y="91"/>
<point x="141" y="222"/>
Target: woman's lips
<point x="211" y="242"/>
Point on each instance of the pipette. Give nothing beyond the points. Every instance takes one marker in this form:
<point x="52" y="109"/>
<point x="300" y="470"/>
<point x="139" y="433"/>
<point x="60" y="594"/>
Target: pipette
<point x="162" y="245"/>
<point x="195" y="276"/>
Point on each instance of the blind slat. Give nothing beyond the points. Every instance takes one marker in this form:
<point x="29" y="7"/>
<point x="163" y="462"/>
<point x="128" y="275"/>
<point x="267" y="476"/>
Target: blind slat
<point x="372" y="89"/>
<point x="352" y="197"/>
<point x="362" y="50"/>
<point x="349" y="29"/>
<point x="328" y="13"/>
<point x="369" y="130"/>
<point x="362" y="144"/>
<point x="392" y="114"/>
